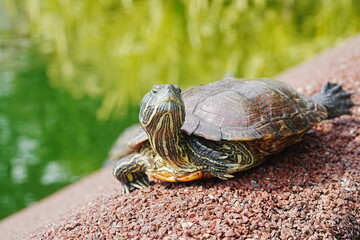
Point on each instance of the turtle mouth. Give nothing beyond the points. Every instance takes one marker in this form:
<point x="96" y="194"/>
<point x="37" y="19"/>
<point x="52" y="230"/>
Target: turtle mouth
<point x="169" y="98"/>
<point x="169" y="105"/>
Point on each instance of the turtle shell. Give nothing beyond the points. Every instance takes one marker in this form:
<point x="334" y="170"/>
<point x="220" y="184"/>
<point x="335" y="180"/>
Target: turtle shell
<point x="245" y="110"/>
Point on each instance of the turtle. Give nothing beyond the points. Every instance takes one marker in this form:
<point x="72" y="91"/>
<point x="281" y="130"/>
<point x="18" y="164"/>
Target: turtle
<point x="220" y="128"/>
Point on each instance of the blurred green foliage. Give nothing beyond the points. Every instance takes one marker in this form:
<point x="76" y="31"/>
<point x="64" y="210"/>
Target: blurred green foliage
<point x="119" y="48"/>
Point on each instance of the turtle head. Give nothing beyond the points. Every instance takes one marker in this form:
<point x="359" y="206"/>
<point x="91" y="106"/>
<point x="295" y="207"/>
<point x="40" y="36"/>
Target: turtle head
<point x="162" y="109"/>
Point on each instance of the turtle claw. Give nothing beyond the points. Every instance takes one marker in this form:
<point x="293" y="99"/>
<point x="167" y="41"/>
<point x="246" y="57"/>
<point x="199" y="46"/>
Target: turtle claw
<point x="126" y="188"/>
<point x="141" y="181"/>
<point x="222" y="169"/>
<point x="225" y="176"/>
<point x="232" y="167"/>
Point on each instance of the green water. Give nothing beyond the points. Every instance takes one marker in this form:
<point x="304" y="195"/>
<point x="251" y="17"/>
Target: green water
<point x="72" y="72"/>
<point x="48" y="138"/>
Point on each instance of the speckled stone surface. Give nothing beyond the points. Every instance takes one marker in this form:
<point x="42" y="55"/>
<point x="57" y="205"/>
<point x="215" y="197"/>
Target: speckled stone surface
<point x="309" y="191"/>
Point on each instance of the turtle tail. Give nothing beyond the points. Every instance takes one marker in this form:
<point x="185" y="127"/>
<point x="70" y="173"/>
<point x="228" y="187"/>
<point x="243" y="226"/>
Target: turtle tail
<point x="336" y="100"/>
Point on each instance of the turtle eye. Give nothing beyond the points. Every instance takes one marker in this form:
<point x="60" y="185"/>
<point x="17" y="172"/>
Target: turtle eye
<point x="155" y="89"/>
<point x="177" y="89"/>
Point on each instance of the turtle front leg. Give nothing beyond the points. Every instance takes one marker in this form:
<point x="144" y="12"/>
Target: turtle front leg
<point x="130" y="171"/>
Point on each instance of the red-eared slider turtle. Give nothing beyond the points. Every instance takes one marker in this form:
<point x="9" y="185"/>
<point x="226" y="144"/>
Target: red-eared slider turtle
<point x="217" y="129"/>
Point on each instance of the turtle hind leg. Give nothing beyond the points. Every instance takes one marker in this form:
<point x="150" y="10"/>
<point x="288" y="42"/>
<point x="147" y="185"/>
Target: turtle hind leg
<point x="336" y="100"/>
<point x="130" y="171"/>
